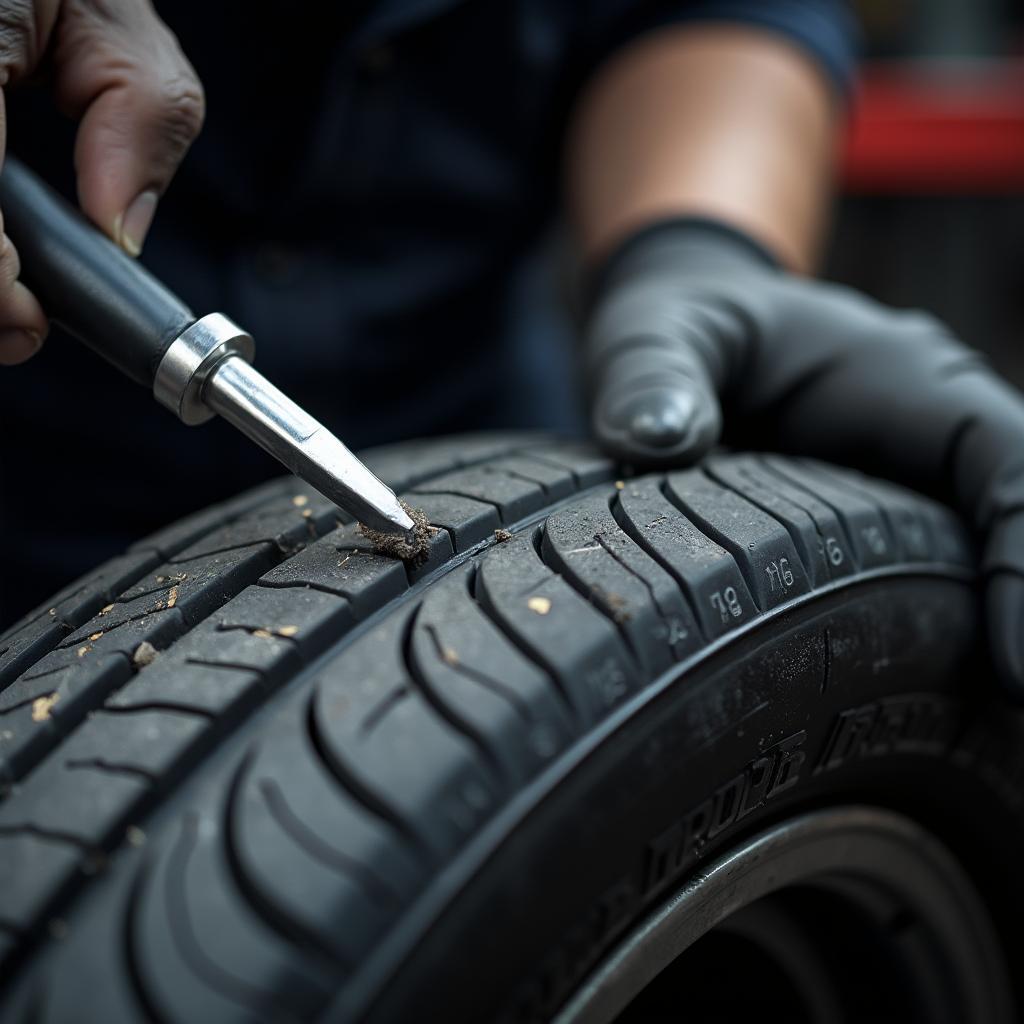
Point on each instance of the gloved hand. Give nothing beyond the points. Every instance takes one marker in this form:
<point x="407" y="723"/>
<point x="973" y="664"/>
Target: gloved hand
<point x="690" y="320"/>
<point x="118" y="69"/>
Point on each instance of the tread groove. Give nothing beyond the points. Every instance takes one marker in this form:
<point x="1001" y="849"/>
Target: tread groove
<point x="129" y="942"/>
<point x="382" y="709"/>
<point x="377" y="888"/>
<point x="236" y="989"/>
<point x="467" y="497"/>
<point x="350" y="786"/>
<point x="159" y="705"/>
<point x="618" y="514"/>
<point x="492" y="685"/>
<point x="838" y="513"/>
<point x="111" y="767"/>
<point x="794" y="533"/>
<point x="283" y="925"/>
<point x="440" y="707"/>
<point x="536" y="659"/>
<point x="54" y="835"/>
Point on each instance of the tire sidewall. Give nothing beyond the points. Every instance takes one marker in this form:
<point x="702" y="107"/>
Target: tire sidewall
<point x="868" y="694"/>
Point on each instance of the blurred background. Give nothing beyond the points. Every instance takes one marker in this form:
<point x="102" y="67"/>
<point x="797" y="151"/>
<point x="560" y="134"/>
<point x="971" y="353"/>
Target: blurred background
<point x="930" y="214"/>
<point x="932" y="187"/>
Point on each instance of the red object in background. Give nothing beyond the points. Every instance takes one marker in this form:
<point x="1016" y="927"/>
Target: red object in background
<point x="938" y="127"/>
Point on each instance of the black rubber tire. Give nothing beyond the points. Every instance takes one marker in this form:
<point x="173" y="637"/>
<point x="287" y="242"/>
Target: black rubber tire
<point x="257" y="772"/>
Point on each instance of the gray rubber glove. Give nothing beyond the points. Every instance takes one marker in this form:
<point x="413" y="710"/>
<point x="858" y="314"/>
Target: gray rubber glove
<point x="690" y="319"/>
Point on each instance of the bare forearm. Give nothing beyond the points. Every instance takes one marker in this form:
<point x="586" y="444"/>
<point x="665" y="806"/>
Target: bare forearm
<point x="721" y="121"/>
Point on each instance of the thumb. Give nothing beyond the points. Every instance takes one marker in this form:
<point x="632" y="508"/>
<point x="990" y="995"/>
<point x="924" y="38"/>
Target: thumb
<point x="121" y="71"/>
<point x="651" y="391"/>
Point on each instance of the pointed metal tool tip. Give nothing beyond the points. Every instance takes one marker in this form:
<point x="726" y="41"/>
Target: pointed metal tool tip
<point x="250" y="402"/>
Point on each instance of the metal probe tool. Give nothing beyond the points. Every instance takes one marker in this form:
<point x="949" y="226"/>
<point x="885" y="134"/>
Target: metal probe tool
<point x="196" y="367"/>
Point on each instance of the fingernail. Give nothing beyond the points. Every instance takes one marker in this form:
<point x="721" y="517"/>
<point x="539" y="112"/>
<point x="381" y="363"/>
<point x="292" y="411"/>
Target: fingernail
<point x="17" y="345"/>
<point x="136" y="221"/>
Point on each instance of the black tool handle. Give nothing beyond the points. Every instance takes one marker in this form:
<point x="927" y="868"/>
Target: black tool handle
<point x="84" y="281"/>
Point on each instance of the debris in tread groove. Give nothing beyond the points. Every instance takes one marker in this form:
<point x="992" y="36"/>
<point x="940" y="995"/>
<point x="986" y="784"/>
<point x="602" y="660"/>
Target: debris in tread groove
<point x="172" y="597"/>
<point x="392" y="546"/>
<point x="263" y="634"/>
<point x="299" y="500"/>
<point x="288" y="631"/>
<point x="135" y="835"/>
<point x="619" y="485"/>
<point x="107" y="609"/>
<point x="501" y="536"/>
<point x="96" y="636"/>
<point x="83" y="650"/>
<point x="42" y="706"/>
<point x="145" y="654"/>
<point x="53" y="611"/>
<point x="540" y="605"/>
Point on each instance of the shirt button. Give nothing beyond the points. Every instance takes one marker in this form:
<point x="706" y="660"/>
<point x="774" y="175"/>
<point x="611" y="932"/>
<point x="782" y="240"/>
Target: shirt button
<point x="378" y="60"/>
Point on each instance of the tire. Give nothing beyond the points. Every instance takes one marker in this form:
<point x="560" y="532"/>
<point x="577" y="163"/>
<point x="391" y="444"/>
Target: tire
<point x="255" y="771"/>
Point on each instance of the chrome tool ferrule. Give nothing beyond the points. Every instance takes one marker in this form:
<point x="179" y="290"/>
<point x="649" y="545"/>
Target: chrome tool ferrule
<point x="191" y="358"/>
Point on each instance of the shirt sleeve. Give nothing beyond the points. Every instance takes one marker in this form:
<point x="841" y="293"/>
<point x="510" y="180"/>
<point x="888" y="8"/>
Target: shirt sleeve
<point x="825" y="29"/>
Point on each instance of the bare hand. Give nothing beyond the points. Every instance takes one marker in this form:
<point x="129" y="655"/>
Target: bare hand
<point x="119" y="71"/>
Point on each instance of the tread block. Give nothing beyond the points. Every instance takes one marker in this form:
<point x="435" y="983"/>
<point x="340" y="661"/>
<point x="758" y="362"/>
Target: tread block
<point x="28" y="640"/>
<point x="467" y="521"/>
<point x="201" y="950"/>
<point x="248" y="645"/>
<point x="284" y="528"/>
<point x="868" y="532"/>
<point x="584" y="461"/>
<point x="180" y="534"/>
<point x="924" y="529"/>
<point x="87" y="805"/>
<point x="353" y="837"/>
<point x="707" y="572"/>
<point x="89" y="672"/>
<point x="286" y="854"/>
<point x="556" y="481"/>
<point x="380" y="736"/>
<point x="180" y="682"/>
<point x="513" y="496"/>
<point x="486" y="682"/>
<point x="587" y="546"/>
<point x="762" y="547"/>
<point x="814" y="527"/>
<point x="36" y="710"/>
<point x="145" y="742"/>
<point x="549" y="621"/>
<point x="195" y="587"/>
<point x="299" y="623"/>
<point x="87" y="951"/>
<point x="337" y="565"/>
<point x="407" y="464"/>
<point x="104" y="769"/>
<point x="32" y="870"/>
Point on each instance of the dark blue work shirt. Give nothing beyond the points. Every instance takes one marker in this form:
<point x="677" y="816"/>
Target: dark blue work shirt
<point x="366" y="197"/>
